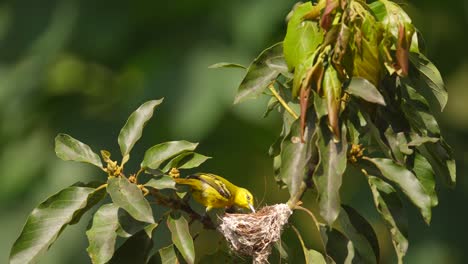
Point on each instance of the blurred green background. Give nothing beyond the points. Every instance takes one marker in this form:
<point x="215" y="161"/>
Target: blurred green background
<point x="81" y="67"/>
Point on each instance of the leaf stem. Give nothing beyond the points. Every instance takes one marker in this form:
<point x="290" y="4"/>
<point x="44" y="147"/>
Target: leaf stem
<point x="316" y="222"/>
<point x="101" y="187"/>
<point x="281" y="100"/>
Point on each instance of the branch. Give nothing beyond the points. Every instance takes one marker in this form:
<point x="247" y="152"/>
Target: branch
<point x="180" y="205"/>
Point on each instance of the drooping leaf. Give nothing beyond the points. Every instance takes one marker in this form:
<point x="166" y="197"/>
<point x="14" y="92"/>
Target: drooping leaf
<point x="128" y="226"/>
<point x="295" y="156"/>
<point x="391" y="209"/>
<point x="364" y="89"/>
<point x="137" y="248"/>
<point x="68" y="148"/>
<point x="133" y="128"/>
<point x="431" y="75"/>
<point x="161" y="182"/>
<point x="181" y="237"/>
<point x="440" y="157"/>
<point x="361" y="233"/>
<point x="302" y="37"/>
<point x="272" y="104"/>
<point x="129" y="197"/>
<point x="398" y="144"/>
<point x="50" y="218"/>
<point x="226" y="65"/>
<point x="186" y="160"/>
<point x="102" y="234"/>
<point x="157" y="154"/>
<point x="423" y="170"/>
<point x="263" y="70"/>
<point x="332" y="91"/>
<point x="329" y="172"/>
<point x="407" y="182"/>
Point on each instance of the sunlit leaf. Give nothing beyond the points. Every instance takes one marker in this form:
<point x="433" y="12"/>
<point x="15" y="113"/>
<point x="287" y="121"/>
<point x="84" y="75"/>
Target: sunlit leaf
<point x="157" y="154"/>
<point x="133" y="128"/>
<point x="137" y="248"/>
<point x="361" y="233"/>
<point x="102" y="234"/>
<point x="431" y="75"/>
<point x="68" y="148"/>
<point x="226" y="65"/>
<point x="302" y="37"/>
<point x="129" y="197"/>
<point x="161" y="182"/>
<point x="329" y="172"/>
<point x="50" y="218"/>
<point x="181" y="237"/>
<point x="168" y="255"/>
<point x="332" y="91"/>
<point x="407" y="182"/>
<point x="423" y="170"/>
<point x="366" y="90"/>
<point x="391" y="209"/>
<point x="260" y="74"/>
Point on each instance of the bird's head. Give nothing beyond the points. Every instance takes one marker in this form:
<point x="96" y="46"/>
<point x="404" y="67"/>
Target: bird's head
<point x="244" y="199"/>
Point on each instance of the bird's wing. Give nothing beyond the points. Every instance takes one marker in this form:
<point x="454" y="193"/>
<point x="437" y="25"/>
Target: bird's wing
<point x="214" y="182"/>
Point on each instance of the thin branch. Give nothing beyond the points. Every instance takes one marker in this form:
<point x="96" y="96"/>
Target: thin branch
<point x="180" y="205"/>
<point x="281" y="100"/>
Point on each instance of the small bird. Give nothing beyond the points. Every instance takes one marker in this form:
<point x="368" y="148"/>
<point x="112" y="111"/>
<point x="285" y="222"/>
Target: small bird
<point x="214" y="191"/>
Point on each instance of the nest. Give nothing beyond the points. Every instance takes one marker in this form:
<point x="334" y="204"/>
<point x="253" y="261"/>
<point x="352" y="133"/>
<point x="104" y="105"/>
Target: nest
<point x="253" y="234"/>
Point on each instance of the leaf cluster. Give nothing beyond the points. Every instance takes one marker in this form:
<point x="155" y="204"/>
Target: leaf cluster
<point x="122" y="228"/>
<point x="356" y="94"/>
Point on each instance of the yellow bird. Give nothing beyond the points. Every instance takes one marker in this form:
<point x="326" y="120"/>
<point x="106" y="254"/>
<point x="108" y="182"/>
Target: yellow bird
<point x="214" y="191"/>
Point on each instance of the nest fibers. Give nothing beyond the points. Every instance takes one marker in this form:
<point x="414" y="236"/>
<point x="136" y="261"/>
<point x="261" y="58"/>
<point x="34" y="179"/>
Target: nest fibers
<point x="253" y="234"/>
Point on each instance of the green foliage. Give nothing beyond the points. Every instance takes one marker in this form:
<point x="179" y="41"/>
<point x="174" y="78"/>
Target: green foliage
<point x="355" y="94"/>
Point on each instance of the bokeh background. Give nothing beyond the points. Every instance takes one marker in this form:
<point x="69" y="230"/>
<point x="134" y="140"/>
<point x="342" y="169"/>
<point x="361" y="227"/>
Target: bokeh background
<point x="81" y="67"/>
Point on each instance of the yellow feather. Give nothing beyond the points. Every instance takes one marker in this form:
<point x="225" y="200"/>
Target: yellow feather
<point x="214" y="191"/>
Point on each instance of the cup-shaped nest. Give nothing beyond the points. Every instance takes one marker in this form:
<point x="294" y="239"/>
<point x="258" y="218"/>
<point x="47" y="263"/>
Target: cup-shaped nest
<point x="253" y="234"/>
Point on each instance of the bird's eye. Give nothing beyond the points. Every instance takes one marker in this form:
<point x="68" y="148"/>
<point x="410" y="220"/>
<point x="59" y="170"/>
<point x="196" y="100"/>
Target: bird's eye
<point x="248" y="197"/>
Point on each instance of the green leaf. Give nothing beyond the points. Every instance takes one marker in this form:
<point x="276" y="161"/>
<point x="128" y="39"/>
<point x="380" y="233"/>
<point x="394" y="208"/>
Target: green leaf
<point x="157" y="154"/>
<point x="226" y="65"/>
<point x="133" y="128"/>
<point x="295" y="156"/>
<point x="168" y="255"/>
<point x="391" y="209"/>
<point x="162" y="182"/>
<point x="186" y="160"/>
<point x="68" y="148"/>
<point x="136" y="249"/>
<point x="261" y="73"/>
<point x="440" y="157"/>
<point x="361" y="233"/>
<point x="366" y="62"/>
<point x="314" y="257"/>
<point x="302" y="37"/>
<point x="181" y="237"/>
<point x="407" y="182"/>
<point x="272" y="104"/>
<point x="332" y="91"/>
<point x="398" y="144"/>
<point x="340" y="248"/>
<point x="423" y="170"/>
<point x="329" y="172"/>
<point x="129" y="197"/>
<point x="50" y="218"/>
<point x="431" y="75"/>
<point x="102" y="234"/>
<point x="364" y="89"/>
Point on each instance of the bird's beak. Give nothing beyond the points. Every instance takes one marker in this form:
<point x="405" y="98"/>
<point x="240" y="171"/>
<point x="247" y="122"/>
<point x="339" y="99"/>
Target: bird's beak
<point x="252" y="208"/>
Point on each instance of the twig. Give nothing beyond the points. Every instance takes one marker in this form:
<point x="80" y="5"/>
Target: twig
<point x="281" y="100"/>
<point x="180" y="205"/>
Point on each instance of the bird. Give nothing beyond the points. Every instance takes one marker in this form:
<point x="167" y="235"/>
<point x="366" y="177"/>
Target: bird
<point x="214" y="191"/>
